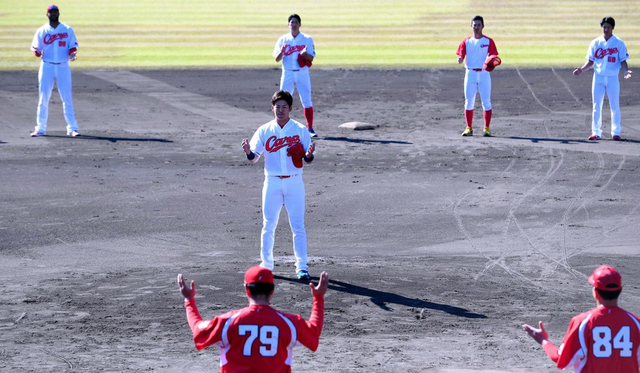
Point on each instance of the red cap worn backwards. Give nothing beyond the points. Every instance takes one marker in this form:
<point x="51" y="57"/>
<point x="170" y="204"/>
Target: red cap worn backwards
<point x="51" y="7"/>
<point x="258" y="274"/>
<point x="606" y="278"/>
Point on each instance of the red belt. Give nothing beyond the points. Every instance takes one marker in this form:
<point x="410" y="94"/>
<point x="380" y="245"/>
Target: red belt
<point x="284" y="176"/>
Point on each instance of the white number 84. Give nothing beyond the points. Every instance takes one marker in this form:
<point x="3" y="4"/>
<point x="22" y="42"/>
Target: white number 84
<point x="268" y="339"/>
<point x="602" y="346"/>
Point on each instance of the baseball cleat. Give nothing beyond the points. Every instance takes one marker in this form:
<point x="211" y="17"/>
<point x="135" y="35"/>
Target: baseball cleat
<point x="616" y="138"/>
<point x="595" y="137"/>
<point x="486" y="132"/>
<point x="467" y="132"/>
<point x="303" y="275"/>
<point x="312" y="132"/>
<point x="37" y="134"/>
<point x="73" y="134"/>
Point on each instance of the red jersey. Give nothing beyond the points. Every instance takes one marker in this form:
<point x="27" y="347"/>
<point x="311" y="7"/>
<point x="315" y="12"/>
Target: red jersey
<point x="256" y="338"/>
<point x="605" y="339"/>
<point x="476" y="51"/>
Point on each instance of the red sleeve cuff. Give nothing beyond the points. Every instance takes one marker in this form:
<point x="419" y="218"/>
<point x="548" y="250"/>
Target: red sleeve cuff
<point x="72" y="50"/>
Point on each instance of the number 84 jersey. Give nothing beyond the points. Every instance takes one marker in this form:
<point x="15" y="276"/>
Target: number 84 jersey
<point x="257" y="338"/>
<point x="605" y="339"/>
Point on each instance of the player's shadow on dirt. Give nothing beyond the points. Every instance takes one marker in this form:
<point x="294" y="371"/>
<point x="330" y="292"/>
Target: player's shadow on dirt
<point x="364" y="141"/>
<point x="544" y="139"/>
<point x="382" y="298"/>
<point x="112" y="139"/>
<point x="568" y="141"/>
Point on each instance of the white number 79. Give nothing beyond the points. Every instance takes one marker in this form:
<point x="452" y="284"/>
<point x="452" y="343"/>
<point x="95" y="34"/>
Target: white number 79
<point x="268" y="339"/>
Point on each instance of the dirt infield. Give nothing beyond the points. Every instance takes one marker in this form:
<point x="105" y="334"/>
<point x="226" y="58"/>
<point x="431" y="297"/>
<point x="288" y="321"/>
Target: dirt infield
<point x="438" y="247"/>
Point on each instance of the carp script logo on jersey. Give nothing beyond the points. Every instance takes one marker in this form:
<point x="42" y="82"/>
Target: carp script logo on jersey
<point x="274" y="143"/>
<point x="293" y="49"/>
<point x="50" y="38"/>
<point x="603" y="52"/>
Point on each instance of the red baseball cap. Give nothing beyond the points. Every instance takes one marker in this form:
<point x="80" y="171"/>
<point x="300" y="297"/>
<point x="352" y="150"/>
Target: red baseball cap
<point x="258" y="274"/>
<point x="606" y="278"/>
<point x="51" y="7"/>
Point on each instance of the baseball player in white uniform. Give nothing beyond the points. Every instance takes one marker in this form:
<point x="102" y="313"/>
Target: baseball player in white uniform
<point x="607" y="54"/>
<point x="296" y="51"/>
<point x="475" y="49"/>
<point x="283" y="183"/>
<point x="56" y="44"/>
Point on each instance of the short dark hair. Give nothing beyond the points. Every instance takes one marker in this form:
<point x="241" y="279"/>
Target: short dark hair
<point x="608" y="20"/>
<point x="282" y="95"/>
<point x="609" y="294"/>
<point x="260" y="288"/>
<point x="296" y="17"/>
<point x="478" y="18"/>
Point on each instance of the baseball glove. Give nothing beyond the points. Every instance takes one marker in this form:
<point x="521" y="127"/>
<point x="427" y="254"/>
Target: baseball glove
<point x="296" y="152"/>
<point x="492" y="62"/>
<point x="303" y="61"/>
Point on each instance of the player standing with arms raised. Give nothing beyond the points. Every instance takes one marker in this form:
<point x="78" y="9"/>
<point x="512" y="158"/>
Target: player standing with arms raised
<point x="605" y="339"/>
<point x="297" y="51"/>
<point x="56" y="44"/>
<point x="284" y="143"/>
<point x="475" y="50"/>
<point x="608" y="53"/>
<point x="257" y="338"/>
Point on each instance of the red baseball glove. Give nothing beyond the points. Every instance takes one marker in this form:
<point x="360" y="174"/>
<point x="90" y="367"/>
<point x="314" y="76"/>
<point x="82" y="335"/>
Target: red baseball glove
<point x="303" y="61"/>
<point x="296" y="152"/>
<point x="492" y="62"/>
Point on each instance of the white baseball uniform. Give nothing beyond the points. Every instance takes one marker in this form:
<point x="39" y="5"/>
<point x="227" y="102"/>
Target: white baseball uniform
<point x="606" y="56"/>
<point x="283" y="185"/>
<point x="294" y="76"/>
<point x="55" y="45"/>
<point x="475" y="52"/>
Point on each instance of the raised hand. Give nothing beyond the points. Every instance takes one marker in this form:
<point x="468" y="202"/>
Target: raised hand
<point x="246" y="147"/>
<point x="323" y="285"/>
<point x="187" y="292"/>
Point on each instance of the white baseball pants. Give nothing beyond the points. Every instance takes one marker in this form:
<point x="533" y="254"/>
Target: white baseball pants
<point x="477" y="81"/>
<point x="289" y="192"/>
<point x="61" y="75"/>
<point x="611" y="86"/>
<point x="300" y="80"/>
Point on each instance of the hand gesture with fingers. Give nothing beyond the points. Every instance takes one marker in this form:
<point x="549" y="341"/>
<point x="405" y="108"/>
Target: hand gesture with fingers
<point x="627" y="75"/>
<point x="323" y="285"/>
<point x="246" y="147"/>
<point x="312" y="148"/>
<point x="188" y="292"/>
<point x="539" y="335"/>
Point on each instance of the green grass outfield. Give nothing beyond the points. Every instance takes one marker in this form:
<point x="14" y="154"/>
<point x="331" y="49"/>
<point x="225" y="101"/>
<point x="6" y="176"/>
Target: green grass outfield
<point x="347" y="33"/>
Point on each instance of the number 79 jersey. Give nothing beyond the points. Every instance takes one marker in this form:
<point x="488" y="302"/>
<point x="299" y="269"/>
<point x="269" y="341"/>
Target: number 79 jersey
<point x="257" y="338"/>
<point x="605" y="339"/>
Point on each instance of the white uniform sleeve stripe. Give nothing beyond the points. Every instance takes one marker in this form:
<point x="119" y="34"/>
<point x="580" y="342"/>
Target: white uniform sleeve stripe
<point x="294" y="338"/>
<point x="582" y="353"/>
<point x="225" y="329"/>
<point x="634" y="320"/>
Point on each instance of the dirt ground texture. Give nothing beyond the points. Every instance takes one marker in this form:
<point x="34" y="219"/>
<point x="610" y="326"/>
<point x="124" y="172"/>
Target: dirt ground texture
<point x="438" y="247"/>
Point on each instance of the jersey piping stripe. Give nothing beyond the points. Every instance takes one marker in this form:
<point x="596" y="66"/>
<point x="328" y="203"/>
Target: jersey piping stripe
<point x="294" y="339"/>
<point x="225" y="345"/>
<point x="638" y="325"/>
<point x="583" y="346"/>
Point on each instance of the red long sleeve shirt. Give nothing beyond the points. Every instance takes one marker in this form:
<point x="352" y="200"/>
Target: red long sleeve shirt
<point x="257" y="337"/>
